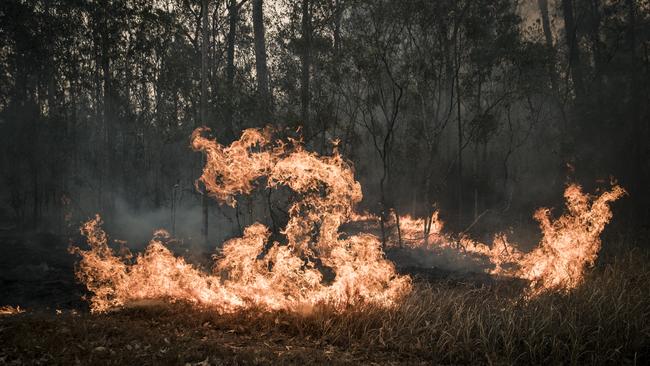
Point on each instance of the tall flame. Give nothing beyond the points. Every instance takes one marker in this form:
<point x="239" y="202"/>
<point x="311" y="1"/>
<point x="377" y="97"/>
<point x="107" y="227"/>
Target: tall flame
<point x="568" y="246"/>
<point x="316" y="264"/>
<point x="251" y="271"/>
<point x="569" y="243"/>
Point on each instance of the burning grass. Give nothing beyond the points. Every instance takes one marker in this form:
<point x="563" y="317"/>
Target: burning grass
<point x="605" y="320"/>
<point x="317" y="264"/>
<point x="323" y="296"/>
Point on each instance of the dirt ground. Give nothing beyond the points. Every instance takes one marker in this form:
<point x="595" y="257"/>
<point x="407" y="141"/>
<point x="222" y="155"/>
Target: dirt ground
<point x="163" y="335"/>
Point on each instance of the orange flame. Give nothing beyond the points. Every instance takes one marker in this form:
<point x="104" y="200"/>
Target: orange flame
<point x="316" y="264"/>
<point x="289" y="276"/>
<point x="569" y="244"/>
<point x="10" y="310"/>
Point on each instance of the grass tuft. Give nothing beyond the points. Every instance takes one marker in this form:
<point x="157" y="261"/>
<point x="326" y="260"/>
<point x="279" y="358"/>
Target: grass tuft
<point x="604" y="321"/>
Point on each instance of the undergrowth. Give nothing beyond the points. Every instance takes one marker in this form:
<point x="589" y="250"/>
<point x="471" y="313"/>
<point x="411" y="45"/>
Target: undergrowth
<point x="604" y="321"/>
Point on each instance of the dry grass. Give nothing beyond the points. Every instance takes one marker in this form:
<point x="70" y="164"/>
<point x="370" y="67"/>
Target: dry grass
<point x="605" y="321"/>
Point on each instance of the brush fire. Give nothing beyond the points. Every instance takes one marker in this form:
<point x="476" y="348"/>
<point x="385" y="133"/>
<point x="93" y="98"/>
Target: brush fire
<point x="317" y="264"/>
<point x="340" y="182"/>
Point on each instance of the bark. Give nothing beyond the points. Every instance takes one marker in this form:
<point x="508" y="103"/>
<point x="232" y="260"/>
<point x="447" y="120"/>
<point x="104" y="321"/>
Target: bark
<point x="99" y="116"/>
<point x="109" y="128"/>
<point x="546" y="22"/>
<point x="459" y="119"/>
<point x="565" y="140"/>
<point x="337" y="28"/>
<point x="204" y="103"/>
<point x="594" y="36"/>
<point x="574" y="50"/>
<point x="261" y="69"/>
<point x="384" y="151"/>
<point x="233" y="13"/>
<point x="306" y="64"/>
<point x="548" y="36"/>
<point x="204" y="62"/>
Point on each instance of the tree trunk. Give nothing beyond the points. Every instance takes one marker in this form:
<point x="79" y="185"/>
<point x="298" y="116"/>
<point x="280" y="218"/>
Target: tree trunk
<point x="564" y="138"/>
<point x="261" y="69"/>
<point x="574" y="51"/>
<point x="594" y="36"/>
<point x="460" y="140"/>
<point x="546" y="22"/>
<point x="204" y="103"/>
<point x="99" y="117"/>
<point x="548" y="35"/>
<point x="230" y="63"/>
<point x="306" y="64"/>
<point x="109" y="128"/>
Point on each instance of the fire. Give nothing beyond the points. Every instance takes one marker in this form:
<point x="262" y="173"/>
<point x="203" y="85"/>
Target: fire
<point x="422" y="232"/>
<point x="10" y="310"/>
<point x="317" y="264"/>
<point x="570" y="243"/>
<point x="568" y="246"/>
<point x="251" y="271"/>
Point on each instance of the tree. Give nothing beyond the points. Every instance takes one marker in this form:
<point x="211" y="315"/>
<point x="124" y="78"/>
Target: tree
<point x="204" y="102"/>
<point x="261" y="70"/>
<point x="570" y="34"/>
<point x="305" y="64"/>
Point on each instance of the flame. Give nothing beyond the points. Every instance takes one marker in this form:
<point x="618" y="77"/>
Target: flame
<point x="415" y="234"/>
<point x="570" y="243"/>
<point x="251" y="271"/>
<point x="568" y="246"/>
<point x="317" y="264"/>
<point x="10" y="310"/>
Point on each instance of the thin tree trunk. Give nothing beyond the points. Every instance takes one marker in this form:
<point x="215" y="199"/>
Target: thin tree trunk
<point x="230" y="63"/>
<point x="546" y="22"/>
<point x="548" y="35"/>
<point x="109" y="129"/>
<point x="337" y="28"/>
<point x="574" y="51"/>
<point x="99" y="117"/>
<point x="36" y="195"/>
<point x="306" y="64"/>
<point x="460" y="142"/>
<point x="564" y="137"/>
<point x="477" y="174"/>
<point x="594" y="36"/>
<point x="382" y="217"/>
<point x="260" y="62"/>
<point x="204" y="103"/>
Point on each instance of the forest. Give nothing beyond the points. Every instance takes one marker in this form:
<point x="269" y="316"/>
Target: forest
<point x="475" y="106"/>
<point x="470" y="114"/>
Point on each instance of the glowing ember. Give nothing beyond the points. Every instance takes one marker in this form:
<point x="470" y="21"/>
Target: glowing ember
<point x="10" y="310"/>
<point x="288" y="276"/>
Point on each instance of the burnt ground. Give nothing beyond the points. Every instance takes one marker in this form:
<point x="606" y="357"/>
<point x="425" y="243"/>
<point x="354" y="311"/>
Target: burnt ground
<point x="36" y="271"/>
